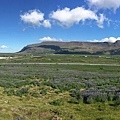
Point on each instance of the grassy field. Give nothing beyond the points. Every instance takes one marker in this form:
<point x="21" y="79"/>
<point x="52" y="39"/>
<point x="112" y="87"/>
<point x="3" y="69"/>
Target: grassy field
<point x="67" y="92"/>
<point x="56" y="58"/>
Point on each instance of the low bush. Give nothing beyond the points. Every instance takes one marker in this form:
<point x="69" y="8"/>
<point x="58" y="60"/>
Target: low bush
<point x="73" y="100"/>
<point x="22" y="91"/>
<point x="57" y="102"/>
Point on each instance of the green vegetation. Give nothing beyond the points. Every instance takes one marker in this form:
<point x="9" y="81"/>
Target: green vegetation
<point x="70" y="92"/>
<point x="29" y="58"/>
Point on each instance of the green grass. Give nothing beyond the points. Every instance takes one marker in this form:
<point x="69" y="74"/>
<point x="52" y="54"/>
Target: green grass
<point x="40" y="92"/>
<point x="103" y="59"/>
<point x="39" y="109"/>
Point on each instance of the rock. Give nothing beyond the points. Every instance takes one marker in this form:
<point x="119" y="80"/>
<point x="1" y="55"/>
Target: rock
<point x="56" y="118"/>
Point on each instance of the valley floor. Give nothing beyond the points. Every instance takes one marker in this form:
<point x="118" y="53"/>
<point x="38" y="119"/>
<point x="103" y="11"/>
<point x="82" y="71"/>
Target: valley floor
<point x="34" y="90"/>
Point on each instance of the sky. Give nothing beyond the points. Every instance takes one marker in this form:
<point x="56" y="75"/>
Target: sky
<point x="24" y="22"/>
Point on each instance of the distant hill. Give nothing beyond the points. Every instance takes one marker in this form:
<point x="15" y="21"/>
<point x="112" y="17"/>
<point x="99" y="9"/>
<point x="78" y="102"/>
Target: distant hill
<point x="73" y="48"/>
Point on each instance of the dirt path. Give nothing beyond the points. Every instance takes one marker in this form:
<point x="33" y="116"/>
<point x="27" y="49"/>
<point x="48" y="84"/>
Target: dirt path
<point x="60" y="64"/>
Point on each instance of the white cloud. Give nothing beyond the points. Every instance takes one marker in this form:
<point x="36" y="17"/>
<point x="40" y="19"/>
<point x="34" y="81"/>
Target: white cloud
<point x="33" y="17"/>
<point x="49" y="39"/>
<point x="110" y="39"/>
<point x="67" y="17"/>
<point x="101" y="20"/>
<point x="105" y="4"/>
<point x="46" y="23"/>
<point x="3" y="47"/>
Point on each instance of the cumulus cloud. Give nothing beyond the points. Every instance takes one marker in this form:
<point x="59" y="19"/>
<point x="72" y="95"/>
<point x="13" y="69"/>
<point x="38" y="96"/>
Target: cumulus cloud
<point x="50" y="39"/>
<point x="107" y="39"/>
<point x="67" y="17"/>
<point x="110" y="39"/>
<point x="104" y="4"/>
<point x="3" y="47"/>
<point x="35" y="18"/>
<point x="46" y="23"/>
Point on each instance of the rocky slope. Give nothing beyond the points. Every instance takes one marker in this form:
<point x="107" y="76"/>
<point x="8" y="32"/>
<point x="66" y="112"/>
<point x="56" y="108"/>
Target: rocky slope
<point x="73" y="48"/>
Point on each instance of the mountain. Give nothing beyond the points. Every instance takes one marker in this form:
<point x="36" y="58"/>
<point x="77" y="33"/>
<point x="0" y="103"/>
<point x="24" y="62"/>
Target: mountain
<point x="73" y="47"/>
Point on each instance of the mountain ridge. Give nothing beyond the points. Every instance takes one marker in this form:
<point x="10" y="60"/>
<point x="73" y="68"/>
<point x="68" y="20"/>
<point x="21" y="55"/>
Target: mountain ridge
<point x="73" y="47"/>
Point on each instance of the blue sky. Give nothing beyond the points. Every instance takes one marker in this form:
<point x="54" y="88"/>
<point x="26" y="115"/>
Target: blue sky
<point x="24" y="22"/>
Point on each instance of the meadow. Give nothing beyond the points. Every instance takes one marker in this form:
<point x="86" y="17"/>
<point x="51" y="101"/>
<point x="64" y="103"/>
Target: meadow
<point x="57" y="91"/>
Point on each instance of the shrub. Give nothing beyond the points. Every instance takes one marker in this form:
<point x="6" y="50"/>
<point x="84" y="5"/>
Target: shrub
<point x="88" y="99"/>
<point x="73" y="100"/>
<point x="76" y="93"/>
<point x="22" y="91"/>
<point x="43" y="92"/>
<point x="9" y="92"/>
<point x="35" y="83"/>
<point x="34" y="94"/>
<point x="57" y="102"/>
<point x="117" y="103"/>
